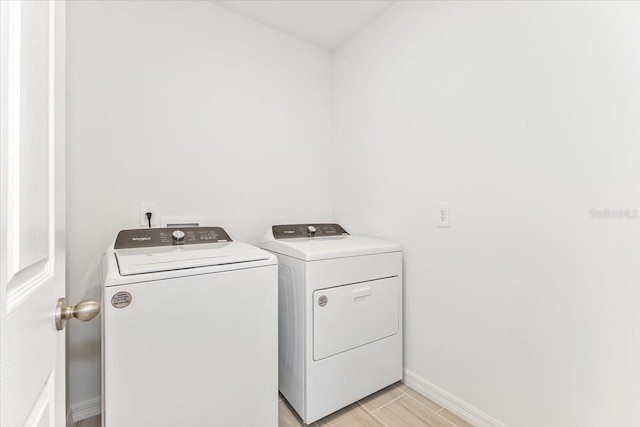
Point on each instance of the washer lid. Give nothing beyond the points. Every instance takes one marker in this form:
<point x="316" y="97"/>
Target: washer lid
<point x="318" y="248"/>
<point x="165" y="258"/>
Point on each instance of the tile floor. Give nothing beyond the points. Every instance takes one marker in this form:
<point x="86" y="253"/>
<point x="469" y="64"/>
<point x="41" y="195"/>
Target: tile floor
<point x="395" y="406"/>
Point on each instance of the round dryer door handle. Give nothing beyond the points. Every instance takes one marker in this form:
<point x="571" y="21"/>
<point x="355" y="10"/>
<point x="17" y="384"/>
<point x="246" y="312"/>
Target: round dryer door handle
<point x="84" y="311"/>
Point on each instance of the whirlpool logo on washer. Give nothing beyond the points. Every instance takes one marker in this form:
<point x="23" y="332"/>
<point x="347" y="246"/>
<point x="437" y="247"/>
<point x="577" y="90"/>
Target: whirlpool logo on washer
<point x="121" y="299"/>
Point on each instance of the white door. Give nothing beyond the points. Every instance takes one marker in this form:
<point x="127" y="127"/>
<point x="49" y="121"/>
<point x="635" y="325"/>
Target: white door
<point x="32" y="234"/>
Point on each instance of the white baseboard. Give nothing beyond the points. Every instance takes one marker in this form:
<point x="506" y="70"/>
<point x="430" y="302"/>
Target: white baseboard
<point x="83" y="410"/>
<point x="450" y="402"/>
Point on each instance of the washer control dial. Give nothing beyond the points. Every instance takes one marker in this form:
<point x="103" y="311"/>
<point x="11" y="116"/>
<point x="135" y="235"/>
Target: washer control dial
<point x="178" y="237"/>
<point x="311" y="230"/>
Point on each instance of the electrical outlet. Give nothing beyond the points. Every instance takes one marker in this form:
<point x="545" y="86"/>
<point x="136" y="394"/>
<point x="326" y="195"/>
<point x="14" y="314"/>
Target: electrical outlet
<point x="149" y="207"/>
<point x="442" y="220"/>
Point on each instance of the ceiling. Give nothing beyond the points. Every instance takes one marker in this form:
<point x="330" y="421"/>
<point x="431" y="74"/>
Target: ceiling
<point x="324" y="23"/>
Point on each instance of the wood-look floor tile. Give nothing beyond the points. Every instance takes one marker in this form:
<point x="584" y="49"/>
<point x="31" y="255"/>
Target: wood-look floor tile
<point x="381" y="398"/>
<point x="407" y="412"/>
<point x="459" y="422"/>
<point x="287" y="416"/>
<point x="89" y="422"/>
<point x="419" y="397"/>
<point x="351" y="416"/>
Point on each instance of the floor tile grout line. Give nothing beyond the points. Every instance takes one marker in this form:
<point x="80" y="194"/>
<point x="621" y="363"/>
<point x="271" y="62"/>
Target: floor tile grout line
<point x="425" y="406"/>
<point x="450" y="422"/>
<point x="435" y="412"/>
<point x="412" y="398"/>
<point x="446" y="420"/>
<point x="372" y="414"/>
<point x="391" y="401"/>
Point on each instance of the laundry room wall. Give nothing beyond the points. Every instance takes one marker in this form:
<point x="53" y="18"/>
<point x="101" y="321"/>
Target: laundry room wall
<point x="186" y="104"/>
<point x="524" y="116"/>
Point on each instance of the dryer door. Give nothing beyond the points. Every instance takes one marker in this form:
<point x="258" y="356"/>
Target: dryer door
<point x="349" y="316"/>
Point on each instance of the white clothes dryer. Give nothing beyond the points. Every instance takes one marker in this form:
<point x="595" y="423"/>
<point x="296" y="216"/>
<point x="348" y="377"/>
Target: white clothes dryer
<point x="189" y="330"/>
<point x="340" y="316"/>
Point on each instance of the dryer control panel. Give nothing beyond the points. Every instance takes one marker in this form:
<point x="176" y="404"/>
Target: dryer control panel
<point x="292" y="231"/>
<point x="151" y="237"/>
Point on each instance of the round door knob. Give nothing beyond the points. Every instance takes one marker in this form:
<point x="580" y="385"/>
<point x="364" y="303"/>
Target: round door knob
<point x="84" y="311"/>
<point x="311" y="230"/>
<point x="178" y="236"/>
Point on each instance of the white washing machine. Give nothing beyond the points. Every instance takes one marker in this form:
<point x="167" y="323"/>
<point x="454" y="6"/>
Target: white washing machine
<point x="340" y="316"/>
<point x="189" y="330"/>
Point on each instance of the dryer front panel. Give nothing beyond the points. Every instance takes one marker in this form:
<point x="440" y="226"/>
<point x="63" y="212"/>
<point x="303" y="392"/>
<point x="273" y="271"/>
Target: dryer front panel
<point x="349" y="316"/>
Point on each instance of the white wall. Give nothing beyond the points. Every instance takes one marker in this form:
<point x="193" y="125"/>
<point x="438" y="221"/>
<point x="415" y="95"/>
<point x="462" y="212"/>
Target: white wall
<point x="524" y="116"/>
<point x="194" y="107"/>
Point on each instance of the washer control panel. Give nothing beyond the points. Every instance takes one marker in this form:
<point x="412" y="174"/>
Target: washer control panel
<point x="150" y="237"/>
<point x="292" y="231"/>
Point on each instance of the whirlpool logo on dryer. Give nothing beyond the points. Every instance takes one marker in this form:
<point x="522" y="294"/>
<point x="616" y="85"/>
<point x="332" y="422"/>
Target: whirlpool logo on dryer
<point x="140" y="239"/>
